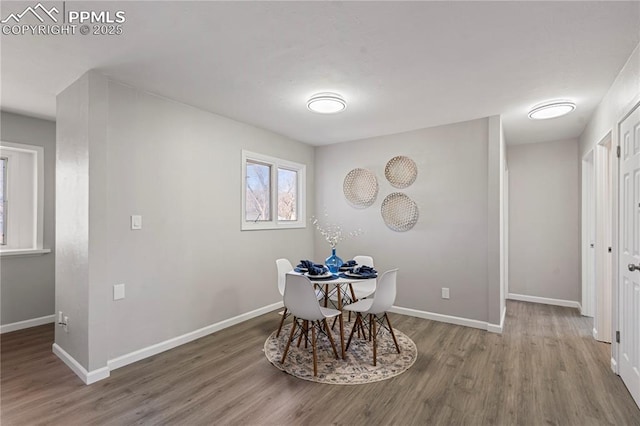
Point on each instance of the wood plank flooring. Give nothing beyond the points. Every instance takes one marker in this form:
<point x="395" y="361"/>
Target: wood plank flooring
<point x="544" y="369"/>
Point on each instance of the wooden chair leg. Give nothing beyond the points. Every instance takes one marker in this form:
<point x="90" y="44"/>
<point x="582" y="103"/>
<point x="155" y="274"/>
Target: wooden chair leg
<point x="361" y="329"/>
<point x="353" y="330"/>
<point x="392" y="333"/>
<point x="370" y="325"/>
<point x="355" y="325"/>
<point x="333" y="345"/>
<point x="304" y="332"/>
<point x="284" y="315"/>
<point x="341" y="335"/>
<point x="375" y="351"/>
<point x="354" y="299"/>
<point x="286" y="350"/>
<point x="301" y="333"/>
<point x="326" y="295"/>
<point x="313" y="346"/>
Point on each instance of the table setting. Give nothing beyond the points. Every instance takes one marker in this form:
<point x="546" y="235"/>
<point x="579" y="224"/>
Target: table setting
<point x="363" y="272"/>
<point x="348" y="270"/>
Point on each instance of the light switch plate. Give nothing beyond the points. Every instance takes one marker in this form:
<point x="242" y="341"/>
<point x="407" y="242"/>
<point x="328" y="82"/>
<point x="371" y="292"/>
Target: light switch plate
<point x="118" y="291"/>
<point x="136" y="222"/>
<point x="445" y="292"/>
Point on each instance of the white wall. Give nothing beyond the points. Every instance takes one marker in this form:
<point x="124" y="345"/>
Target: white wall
<point x="190" y="266"/>
<point x="622" y="96"/>
<point x="27" y="282"/>
<point x="544" y="211"/>
<point x="495" y="227"/>
<point x="448" y="247"/>
<point x="73" y="261"/>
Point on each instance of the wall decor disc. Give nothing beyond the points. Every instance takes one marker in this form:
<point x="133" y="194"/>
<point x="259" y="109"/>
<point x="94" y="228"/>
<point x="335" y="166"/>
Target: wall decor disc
<point x="399" y="212"/>
<point x="401" y="171"/>
<point x="360" y="187"/>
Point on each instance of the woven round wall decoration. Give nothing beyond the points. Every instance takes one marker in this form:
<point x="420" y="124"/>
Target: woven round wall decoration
<point x="360" y="187"/>
<point x="401" y="171"/>
<point x="399" y="212"/>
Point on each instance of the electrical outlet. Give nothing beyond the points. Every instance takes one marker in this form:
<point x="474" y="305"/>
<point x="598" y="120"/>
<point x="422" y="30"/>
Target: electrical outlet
<point x="65" y="324"/>
<point x="445" y="292"/>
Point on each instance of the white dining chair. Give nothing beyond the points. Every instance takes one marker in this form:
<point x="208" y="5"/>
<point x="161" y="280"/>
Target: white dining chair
<point x="365" y="288"/>
<point x="360" y="289"/>
<point x="283" y="266"/>
<point x="300" y="299"/>
<point x="375" y="309"/>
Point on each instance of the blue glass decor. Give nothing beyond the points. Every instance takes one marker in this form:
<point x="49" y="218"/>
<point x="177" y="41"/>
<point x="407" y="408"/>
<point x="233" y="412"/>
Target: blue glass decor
<point x="333" y="262"/>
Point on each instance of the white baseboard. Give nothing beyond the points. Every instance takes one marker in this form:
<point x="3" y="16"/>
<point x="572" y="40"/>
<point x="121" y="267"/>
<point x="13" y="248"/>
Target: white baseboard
<point x="87" y="377"/>
<point x="483" y="325"/>
<point x="497" y="328"/>
<point x="143" y="353"/>
<point x="594" y="333"/>
<point x="15" y="326"/>
<point x="545" y="300"/>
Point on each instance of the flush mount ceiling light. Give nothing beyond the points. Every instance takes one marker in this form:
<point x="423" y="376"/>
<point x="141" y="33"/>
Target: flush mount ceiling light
<point x="326" y="103"/>
<point x="551" y="109"/>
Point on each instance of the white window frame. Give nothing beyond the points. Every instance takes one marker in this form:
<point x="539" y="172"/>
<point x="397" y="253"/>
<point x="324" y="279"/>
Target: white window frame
<point x="275" y="164"/>
<point x="25" y="198"/>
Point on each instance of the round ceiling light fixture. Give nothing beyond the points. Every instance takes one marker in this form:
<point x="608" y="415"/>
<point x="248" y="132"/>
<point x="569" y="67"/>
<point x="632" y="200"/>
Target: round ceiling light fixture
<point x="326" y="103"/>
<point x="551" y="109"/>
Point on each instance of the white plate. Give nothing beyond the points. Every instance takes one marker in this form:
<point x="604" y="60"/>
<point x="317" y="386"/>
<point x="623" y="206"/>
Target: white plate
<point x="352" y="275"/>
<point x="325" y="275"/>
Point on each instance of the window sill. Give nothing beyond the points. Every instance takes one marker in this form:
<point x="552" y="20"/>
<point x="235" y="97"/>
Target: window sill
<point x="258" y="226"/>
<point x="24" y="252"/>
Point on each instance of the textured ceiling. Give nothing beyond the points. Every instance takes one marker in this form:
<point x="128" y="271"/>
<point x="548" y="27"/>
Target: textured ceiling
<point x="400" y="65"/>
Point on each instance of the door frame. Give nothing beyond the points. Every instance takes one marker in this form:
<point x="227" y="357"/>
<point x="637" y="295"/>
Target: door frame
<point x="588" y="234"/>
<point x="604" y="177"/>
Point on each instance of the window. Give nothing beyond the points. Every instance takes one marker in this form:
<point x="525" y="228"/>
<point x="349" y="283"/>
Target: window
<point x="22" y="197"/>
<point x="287" y="194"/>
<point x="258" y="196"/>
<point x="272" y="192"/>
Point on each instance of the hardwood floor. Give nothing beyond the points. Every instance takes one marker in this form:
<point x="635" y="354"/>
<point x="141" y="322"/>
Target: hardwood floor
<point x="544" y="369"/>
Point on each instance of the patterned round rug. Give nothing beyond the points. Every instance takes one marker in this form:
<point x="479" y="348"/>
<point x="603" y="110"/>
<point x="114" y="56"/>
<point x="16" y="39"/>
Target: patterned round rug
<point x="356" y="369"/>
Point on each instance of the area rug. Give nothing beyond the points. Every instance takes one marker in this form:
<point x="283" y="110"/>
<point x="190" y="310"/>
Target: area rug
<point x="356" y="369"/>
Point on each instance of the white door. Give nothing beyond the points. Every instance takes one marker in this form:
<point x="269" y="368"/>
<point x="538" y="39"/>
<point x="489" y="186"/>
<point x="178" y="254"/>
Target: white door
<point x="629" y="294"/>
